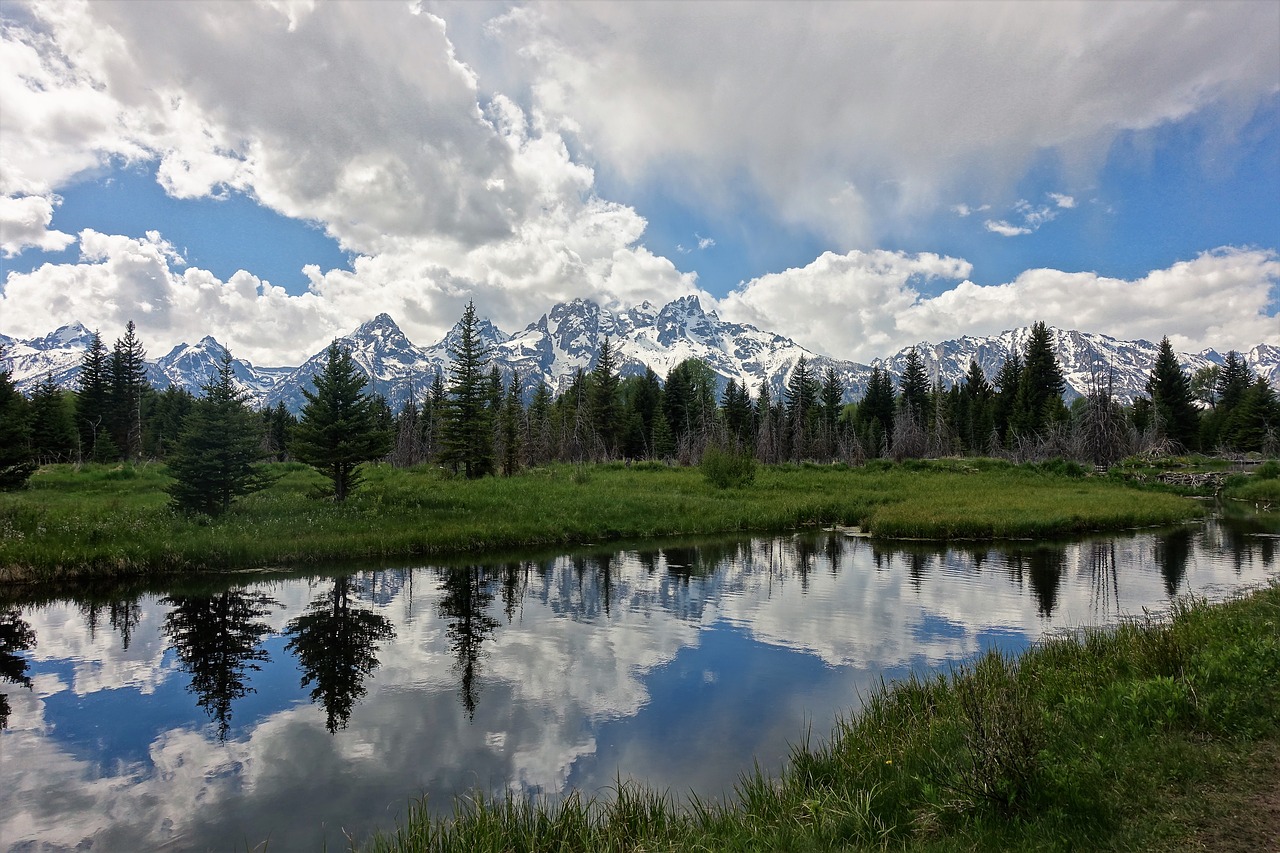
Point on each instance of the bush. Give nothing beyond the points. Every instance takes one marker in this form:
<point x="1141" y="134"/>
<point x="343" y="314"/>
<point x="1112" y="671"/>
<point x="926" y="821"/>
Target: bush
<point x="728" y="468"/>
<point x="1269" y="470"/>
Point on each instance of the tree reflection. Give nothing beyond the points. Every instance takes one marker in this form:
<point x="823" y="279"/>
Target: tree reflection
<point x="1172" y="552"/>
<point x="218" y="642"/>
<point x="465" y="606"/>
<point x="336" y="644"/>
<point x="15" y="636"/>
<point x="123" y="614"/>
<point x="1043" y="567"/>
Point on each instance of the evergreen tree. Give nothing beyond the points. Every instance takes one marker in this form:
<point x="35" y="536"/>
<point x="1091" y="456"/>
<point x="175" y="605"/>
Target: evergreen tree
<point x="279" y="432"/>
<point x="605" y="415"/>
<point x="163" y="417"/>
<point x="339" y="429"/>
<point x="1039" y="400"/>
<point x="832" y="400"/>
<point x="468" y="425"/>
<point x="913" y="388"/>
<point x="1170" y="392"/>
<point x="1234" y="379"/>
<point x="16" y="461"/>
<point x="92" y="398"/>
<point x="1008" y="380"/>
<point x="539" y="441"/>
<point x="53" y="431"/>
<point x="737" y="412"/>
<point x="407" y="450"/>
<point x="802" y="407"/>
<point x="127" y="384"/>
<point x="213" y="463"/>
<point x="1254" y="424"/>
<point x="874" y="417"/>
<point x="510" y="421"/>
<point x="976" y="396"/>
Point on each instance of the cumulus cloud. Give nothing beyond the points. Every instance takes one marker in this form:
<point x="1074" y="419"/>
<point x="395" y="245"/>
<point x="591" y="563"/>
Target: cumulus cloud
<point x="865" y="305"/>
<point x="896" y="105"/>
<point x="1004" y="229"/>
<point x="1062" y="200"/>
<point x="24" y="224"/>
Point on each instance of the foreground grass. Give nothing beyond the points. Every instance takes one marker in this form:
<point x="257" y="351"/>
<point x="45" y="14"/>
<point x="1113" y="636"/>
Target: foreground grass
<point x="1148" y="737"/>
<point x="103" y="520"/>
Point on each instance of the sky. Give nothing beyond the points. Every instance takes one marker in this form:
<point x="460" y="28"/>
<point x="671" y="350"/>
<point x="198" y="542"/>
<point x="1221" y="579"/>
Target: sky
<point x="858" y="176"/>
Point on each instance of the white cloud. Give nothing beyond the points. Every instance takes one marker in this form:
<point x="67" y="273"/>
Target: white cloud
<point x="866" y="305"/>
<point x="1004" y="229"/>
<point x="24" y="224"/>
<point x="728" y="101"/>
<point x="705" y="243"/>
<point x="1062" y="200"/>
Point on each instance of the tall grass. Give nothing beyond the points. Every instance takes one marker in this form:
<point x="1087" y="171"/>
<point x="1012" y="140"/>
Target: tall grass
<point x="113" y="520"/>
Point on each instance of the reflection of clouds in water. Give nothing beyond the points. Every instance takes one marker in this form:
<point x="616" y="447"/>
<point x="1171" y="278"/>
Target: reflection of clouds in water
<point x="566" y="680"/>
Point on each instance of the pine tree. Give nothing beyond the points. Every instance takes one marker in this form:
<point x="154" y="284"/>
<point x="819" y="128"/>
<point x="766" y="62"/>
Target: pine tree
<point x="605" y="417"/>
<point x="913" y="388"/>
<point x="539" y="438"/>
<point x="832" y="400"/>
<point x="874" y="417"/>
<point x="737" y="412"/>
<point x="16" y="461"/>
<point x="163" y="417"/>
<point x="408" y="444"/>
<point x="468" y="425"/>
<point x="127" y="384"/>
<point x="338" y="429"/>
<point x="53" y="432"/>
<point x="1170" y="392"/>
<point x="510" y="421"/>
<point x="1234" y="379"/>
<point x="1008" y="379"/>
<point x="213" y="463"/>
<point x="1039" y="400"/>
<point x="92" y="397"/>
<point x="977" y="395"/>
<point x="1254" y="423"/>
<point x="802" y="407"/>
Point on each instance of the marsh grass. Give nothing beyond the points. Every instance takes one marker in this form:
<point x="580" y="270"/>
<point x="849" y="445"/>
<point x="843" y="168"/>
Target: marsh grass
<point x="1109" y="740"/>
<point x="116" y="520"/>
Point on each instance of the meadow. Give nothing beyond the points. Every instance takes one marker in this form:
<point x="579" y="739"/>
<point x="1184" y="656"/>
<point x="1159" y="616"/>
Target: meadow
<point x="116" y="520"/>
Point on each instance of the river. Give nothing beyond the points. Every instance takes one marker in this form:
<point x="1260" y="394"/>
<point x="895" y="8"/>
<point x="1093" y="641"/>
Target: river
<point x="303" y="709"/>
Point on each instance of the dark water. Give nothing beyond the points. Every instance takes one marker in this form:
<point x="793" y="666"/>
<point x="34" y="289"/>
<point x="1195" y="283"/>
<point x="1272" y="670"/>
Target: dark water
<point x="307" y="708"/>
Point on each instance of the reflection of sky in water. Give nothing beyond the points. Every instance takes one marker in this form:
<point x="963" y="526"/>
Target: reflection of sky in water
<point x="679" y="666"/>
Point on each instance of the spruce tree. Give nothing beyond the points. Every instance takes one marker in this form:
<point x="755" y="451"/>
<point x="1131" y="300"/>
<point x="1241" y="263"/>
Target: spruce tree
<point x="1040" y="387"/>
<point x="468" y="425"/>
<point x="832" y="400"/>
<point x="605" y="415"/>
<point x="127" y="384"/>
<point x="801" y="397"/>
<point x="1008" y="380"/>
<point x="913" y="388"/>
<point x="510" y="422"/>
<point x="338" y="430"/>
<point x="16" y="461"/>
<point x="1171" y="398"/>
<point x="977" y="396"/>
<point x="874" y="417"/>
<point x="92" y="397"/>
<point x="221" y="440"/>
<point x="53" y="432"/>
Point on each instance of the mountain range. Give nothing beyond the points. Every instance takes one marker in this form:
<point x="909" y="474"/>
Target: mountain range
<point x="568" y="338"/>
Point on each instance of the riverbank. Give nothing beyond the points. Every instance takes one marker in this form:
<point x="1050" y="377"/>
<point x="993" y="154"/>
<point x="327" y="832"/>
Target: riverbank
<point x="1153" y="736"/>
<point x="103" y="521"/>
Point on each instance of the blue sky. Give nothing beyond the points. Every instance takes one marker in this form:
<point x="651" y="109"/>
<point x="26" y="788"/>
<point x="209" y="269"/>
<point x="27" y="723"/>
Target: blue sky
<point x="856" y="176"/>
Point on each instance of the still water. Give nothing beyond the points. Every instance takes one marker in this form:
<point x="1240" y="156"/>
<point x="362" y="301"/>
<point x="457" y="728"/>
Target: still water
<point x="305" y="709"/>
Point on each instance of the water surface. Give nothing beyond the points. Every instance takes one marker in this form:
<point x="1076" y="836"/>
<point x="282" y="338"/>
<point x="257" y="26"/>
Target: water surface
<point x="307" y="708"/>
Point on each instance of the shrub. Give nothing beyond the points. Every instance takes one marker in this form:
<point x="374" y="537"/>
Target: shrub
<point x="728" y="468"/>
<point x="1269" y="470"/>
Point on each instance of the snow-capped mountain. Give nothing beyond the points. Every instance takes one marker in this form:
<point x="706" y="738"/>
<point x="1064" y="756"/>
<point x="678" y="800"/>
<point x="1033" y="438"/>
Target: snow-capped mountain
<point x="569" y="336"/>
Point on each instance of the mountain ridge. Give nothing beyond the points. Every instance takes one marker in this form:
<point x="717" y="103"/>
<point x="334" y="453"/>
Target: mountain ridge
<point x="568" y="337"/>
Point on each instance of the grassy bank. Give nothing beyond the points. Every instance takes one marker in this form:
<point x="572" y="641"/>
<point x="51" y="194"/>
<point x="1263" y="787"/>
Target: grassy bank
<point x="115" y="520"/>
<point x="1149" y="737"/>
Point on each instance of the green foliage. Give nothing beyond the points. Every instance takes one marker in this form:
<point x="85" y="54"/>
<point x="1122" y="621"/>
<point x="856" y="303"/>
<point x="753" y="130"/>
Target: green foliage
<point x="16" y="460"/>
<point x="213" y="463"/>
<point x="1172" y="400"/>
<point x="116" y="519"/>
<point x="468" y="421"/>
<point x="1040" y="385"/>
<point x="728" y="468"/>
<point x="339" y="428"/>
<point x="53" y="431"/>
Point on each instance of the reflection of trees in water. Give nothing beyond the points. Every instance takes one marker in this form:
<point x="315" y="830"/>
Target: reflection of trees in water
<point x="217" y="639"/>
<point x="465" y="606"/>
<point x="15" y="636"/>
<point x="1172" y="553"/>
<point x="336" y="644"/>
<point x="123" y="615"/>
<point x="1100" y="556"/>
<point x="834" y="546"/>
<point x="1043" y="567"/>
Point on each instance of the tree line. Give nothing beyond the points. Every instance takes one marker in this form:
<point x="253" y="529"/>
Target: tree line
<point x="476" y="421"/>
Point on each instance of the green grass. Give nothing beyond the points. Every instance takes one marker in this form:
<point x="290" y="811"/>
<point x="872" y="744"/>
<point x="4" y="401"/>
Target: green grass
<point x="115" y="520"/>
<point x="1151" y="736"/>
